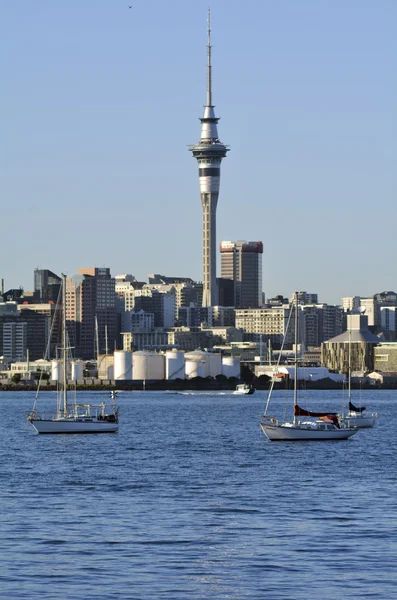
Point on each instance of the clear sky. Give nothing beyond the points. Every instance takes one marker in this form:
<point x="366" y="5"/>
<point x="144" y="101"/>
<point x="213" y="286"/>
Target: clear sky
<point x="100" y="103"/>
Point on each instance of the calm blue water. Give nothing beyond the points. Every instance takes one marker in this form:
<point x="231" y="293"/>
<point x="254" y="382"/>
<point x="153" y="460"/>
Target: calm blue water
<point x="189" y="501"/>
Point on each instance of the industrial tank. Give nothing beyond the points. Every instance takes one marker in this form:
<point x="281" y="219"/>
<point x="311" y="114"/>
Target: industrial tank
<point x="230" y="366"/>
<point x="77" y="370"/>
<point x="56" y="370"/>
<point x="174" y="364"/>
<point x="148" y="365"/>
<point x="215" y="364"/>
<point x="122" y="365"/>
<point x="197" y="364"/>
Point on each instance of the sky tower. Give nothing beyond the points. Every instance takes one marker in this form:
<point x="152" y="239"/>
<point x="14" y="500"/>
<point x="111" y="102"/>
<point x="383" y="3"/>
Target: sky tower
<point x="209" y="152"/>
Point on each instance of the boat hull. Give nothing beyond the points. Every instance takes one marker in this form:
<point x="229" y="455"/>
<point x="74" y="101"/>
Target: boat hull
<point x="282" y="433"/>
<point x="72" y="426"/>
<point x="360" y="421"/>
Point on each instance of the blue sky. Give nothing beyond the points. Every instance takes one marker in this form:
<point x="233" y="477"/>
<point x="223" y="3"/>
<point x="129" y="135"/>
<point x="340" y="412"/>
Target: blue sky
<point x="100" y="103"/>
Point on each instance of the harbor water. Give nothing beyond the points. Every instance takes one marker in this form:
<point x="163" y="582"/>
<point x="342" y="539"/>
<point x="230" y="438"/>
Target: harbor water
<point x="189" y="501"/>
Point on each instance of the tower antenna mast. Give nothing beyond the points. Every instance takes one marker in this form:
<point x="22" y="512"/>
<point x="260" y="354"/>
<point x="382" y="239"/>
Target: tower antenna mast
<point x="209" y="74"/>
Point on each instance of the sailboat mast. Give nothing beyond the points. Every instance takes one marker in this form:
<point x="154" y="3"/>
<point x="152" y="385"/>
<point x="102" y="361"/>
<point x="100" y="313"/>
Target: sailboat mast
<point x="65" y="397"/>
<point x="349" y="373"/>
<point x="96" y="338"/>
<point x="296" y="354"/>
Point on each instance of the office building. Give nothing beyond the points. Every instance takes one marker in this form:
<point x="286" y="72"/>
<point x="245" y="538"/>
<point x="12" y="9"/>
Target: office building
<point x="47" y="286"/>
<point x="91" y="312"/>
<point x="242" y="262"/>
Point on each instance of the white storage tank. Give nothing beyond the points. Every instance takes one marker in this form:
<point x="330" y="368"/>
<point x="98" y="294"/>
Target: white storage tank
<point x="148" y="365"/>
<point x="122" y="365"/>
<point x="174" y="364"/>
<point x="197" y="364"/>
<point x="77" y="370"/>
<point x="56" y="370"/>
<point x="215" y="364"/>
<point x="230" y="366"/>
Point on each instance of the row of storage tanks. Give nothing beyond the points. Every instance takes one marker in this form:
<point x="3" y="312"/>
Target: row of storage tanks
<point x="173" y="364"/>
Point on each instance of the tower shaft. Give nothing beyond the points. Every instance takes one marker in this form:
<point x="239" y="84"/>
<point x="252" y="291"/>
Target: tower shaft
<point x="209" y="152"/>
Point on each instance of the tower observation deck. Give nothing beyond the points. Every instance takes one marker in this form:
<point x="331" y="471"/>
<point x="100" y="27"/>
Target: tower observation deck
<point x="209" y="152"/>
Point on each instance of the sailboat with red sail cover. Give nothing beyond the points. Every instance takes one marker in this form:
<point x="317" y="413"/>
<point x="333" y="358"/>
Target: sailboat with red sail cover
<point x="305" y="425"/>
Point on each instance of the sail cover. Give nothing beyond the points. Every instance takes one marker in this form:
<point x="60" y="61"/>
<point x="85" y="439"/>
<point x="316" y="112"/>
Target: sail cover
<point x="301" y="412"/>
<point x="330" y="416"/>
<point x="355" y="409"/>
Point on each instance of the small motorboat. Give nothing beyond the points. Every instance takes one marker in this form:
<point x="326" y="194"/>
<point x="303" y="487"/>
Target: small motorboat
<point x="244" y="388"/>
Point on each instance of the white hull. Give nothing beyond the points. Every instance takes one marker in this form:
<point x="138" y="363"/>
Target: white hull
<point x="73" y="426"/>
<point x="244" y="388"/>
<point x="295" y="433"/>
<point x="360" y="421"/>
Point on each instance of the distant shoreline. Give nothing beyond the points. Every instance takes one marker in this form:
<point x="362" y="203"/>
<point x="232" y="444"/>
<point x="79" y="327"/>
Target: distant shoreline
<point x="194" y="385"/>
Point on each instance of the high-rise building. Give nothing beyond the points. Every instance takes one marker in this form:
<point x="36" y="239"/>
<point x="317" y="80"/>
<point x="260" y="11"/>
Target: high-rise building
<point x="91" y="312"/>
<point x="242" y="262"/>
<point x="46" y="286"/>
<point x="209" y="152"/>
<point x="13" y="332"/>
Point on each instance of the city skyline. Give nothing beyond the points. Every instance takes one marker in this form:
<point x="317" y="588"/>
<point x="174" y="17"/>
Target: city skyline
<point x="306" y="95"/>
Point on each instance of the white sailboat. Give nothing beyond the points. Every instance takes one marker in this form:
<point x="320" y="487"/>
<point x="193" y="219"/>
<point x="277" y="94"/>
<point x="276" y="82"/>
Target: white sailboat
<point x="356" y="416"/>
<point x="74" y="417"/>
<point x="315" y="425"/>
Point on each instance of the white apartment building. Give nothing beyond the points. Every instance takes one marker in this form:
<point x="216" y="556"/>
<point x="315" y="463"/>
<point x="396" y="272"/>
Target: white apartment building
<point x="350" y="303"/>
<point x="271" y="322"/>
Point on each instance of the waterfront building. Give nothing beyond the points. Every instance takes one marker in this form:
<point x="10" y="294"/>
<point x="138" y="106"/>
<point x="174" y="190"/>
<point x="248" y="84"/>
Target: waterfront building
<point x="385" y="359"/>
<point x="357" y="341"/>
<point x="241" y="262"/>
<point x="209" y="152"/>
